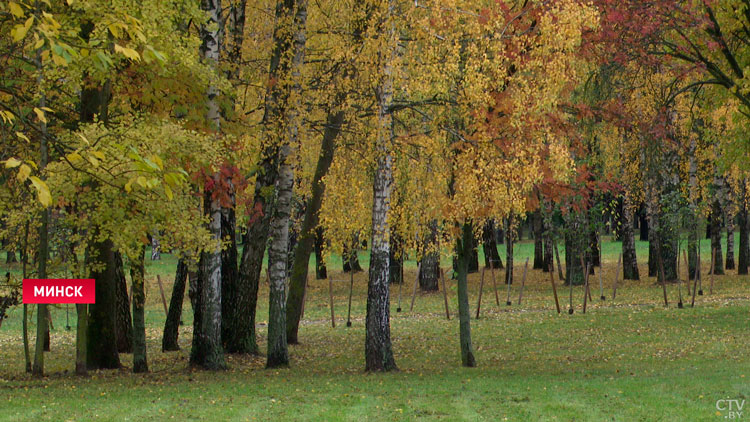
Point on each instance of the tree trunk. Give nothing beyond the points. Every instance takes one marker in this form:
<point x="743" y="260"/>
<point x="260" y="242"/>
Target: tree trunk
<point x="207" y="351"/>
<point x="643" y="225"/>
<point x="231" y="338"/>
<point x="350" y="256"/>
<point x="653" y="264"/>
<point x="595" y="254"/>
<point x="730" y="242"/>
<point x="321" y="272"/>
<point x="491" y="256"/>
<point x="378" y="351"/>
<point x="463" y="251"/>
<point x="509" y="233"/>
<point x="716" y="223"/>
<point x="10" y="257"/>
<point x="429" y="268"/>
<point x="538" y="226"/>
<point x="101" y="351"/>
<point x="81" y="338"/>
<point x="174" y="315"/>
<point x="155" y="247"/>
<point x="396" y="259"/>
<point x="629" y="258"/>
<point x="474" y="259"/>
<point x="137" y="275"/>
<point x="278" y="353"/>
<point x="576" y="242"/>
<point x="744" y="253"/>
<point x="124" y="321"/>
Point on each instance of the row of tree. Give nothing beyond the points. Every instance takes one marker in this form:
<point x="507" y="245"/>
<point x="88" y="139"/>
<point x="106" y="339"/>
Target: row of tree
<point x="414" y="127"/>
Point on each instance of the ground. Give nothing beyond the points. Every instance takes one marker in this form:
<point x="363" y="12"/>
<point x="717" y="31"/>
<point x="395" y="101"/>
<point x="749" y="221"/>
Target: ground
<point x="629" y="359"/>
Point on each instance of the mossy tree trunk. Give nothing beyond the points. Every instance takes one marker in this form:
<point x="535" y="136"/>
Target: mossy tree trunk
<point x="463" y="255"/>
<point x="137" y="279"/>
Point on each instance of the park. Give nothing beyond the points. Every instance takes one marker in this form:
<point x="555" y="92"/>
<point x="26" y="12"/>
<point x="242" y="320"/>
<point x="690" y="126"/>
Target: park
<point x="374" y="210"/>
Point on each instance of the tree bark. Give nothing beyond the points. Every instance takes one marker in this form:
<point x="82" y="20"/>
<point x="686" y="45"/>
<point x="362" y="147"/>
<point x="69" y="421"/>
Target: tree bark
<point x="207" y="351"/>
<point x="321" y="272"/>
<point x="378" y="351"/>
<point x="643" y="226"/>
<point x="137" y="278"/>
<point x="716" y="226"/>
<point x="509" y="233"/>
<point x="231" y="337"/>
<point x="429" y="268"/>
<point x="729" y="265"/>
<point x="174" y="314"/>
<point x="463" y="251"/>
<point x="155" y="247"/>
<point x="396" y="259"/>
<point x="101" y="351"/>
<point x="576" y="242"/>
<point x="538" y="226"/>
<point x="350" y="256"/>
<point x="491" y="256"/>
<point x="124" y="321"/>
<point x="629" y="258"/>
<point x="744" y="253"/>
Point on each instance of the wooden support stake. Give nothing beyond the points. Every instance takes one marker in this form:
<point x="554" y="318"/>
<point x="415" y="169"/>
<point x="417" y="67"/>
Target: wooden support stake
<point x="330" y="298"/>
<point x="351" y="289"/>
<point x="554" y="288"/>
<point x="700" y="272"/>
<point x="414" y="292"/>
<point x="163" y="299"/>
<point x="617" y="276"/>
<point x="445" y="295"/>
<point x="523" y="280"/>
<point x="481" y="285"/>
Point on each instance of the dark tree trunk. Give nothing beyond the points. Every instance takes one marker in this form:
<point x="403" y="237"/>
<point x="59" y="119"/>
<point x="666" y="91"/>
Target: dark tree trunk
<point x="744" y="253"/>
<point x="618" y="220"/>
<point x="321" y="272"/>
<point x="429" y="269"/>
<point x="730" y="243"/>
<point x="489" y="245"/>
<point x="474" y="261"/>
<point x="653" y="263"/>
<point x="231" y="337"/>
<point x="692" y="247"/>
<point x="509" y="234"/>
<point x="548" y="250"/>
<point x="595" y="254"/>
<point x="396" y="259"/>
<point x="124" y="324"/>
<point x="629" y="258"/>
<point x="101" y="350"/>
<point x="310" y="237"/>
<point x="538" y="225"/>
<point x="463" y="254"/>
<point x="643" y="224"/>
<point x="10" y="257"/>
<point x="576" y="242"/>
<point x="716" y="226"/>
<point x="350" y="256"/>
<point x="174" y="315"/>
<point x="137" y="274"/>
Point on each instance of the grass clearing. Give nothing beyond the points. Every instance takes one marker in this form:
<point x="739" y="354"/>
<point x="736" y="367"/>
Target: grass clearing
<point x="625" y="360"/>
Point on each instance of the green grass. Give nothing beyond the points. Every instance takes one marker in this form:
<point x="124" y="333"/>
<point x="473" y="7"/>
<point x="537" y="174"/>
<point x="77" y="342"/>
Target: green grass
<point x="629" y="359"/>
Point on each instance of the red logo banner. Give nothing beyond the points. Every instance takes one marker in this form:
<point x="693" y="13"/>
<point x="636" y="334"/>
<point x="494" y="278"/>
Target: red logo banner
<point x="59" y="290"/>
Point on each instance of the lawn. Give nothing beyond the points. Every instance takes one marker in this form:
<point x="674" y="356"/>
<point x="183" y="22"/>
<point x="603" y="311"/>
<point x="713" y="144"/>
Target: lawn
<point x="628" y="359"/>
